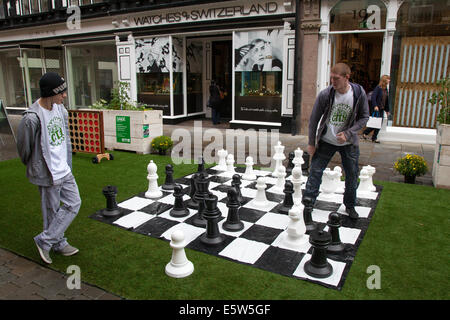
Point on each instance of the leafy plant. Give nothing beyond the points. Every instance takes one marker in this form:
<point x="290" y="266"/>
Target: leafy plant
<point x="411" y="165"/>
<point x="120" y="100"/>
<point x="442" y="98"/>
<point x="162" y="143"/>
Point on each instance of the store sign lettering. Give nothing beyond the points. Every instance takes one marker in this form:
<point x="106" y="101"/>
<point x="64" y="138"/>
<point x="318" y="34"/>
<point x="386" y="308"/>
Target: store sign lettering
<point x="203" y="14"/>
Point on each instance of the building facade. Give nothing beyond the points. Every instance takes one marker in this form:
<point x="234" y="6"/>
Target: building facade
<point x="271" y="57"/>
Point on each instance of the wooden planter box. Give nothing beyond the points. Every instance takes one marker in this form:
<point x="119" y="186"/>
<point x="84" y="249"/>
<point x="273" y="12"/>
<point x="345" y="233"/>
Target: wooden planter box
<point x="441" y="165"/>
<point x="131" y="130"/>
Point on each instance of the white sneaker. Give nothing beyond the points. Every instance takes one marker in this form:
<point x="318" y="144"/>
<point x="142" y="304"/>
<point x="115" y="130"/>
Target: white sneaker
<point x="45" y="254"/>
<point x="68" y="251"/>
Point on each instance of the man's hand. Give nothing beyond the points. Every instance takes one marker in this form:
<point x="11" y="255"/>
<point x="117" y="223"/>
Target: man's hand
<point x="341" y="137"/>
<point x="311" y="149"/>
<point x="376" y="108"/>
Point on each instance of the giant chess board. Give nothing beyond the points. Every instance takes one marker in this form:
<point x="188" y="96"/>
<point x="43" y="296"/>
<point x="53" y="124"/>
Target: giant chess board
<point x="259" y="243"/>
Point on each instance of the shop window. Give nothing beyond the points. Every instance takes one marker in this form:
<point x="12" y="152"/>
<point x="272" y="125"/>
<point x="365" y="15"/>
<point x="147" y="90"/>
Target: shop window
<point x="358" y="15"/>
<point x="93" y="73"/>
<point x="194" y="63"/>
<point x="2" y="9"/>
<point x="12" y="89"/>
<point x="177" y="67"/>
<point x="258" y="75"/>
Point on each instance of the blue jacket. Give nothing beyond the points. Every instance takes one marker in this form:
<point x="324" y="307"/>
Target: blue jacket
<point x="322" y="108"/>
<point x="377" y="99"/>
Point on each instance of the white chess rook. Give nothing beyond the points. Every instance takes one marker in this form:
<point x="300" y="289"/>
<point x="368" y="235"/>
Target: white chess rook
<point x="249" y="173"/>
<point x="179" y="266"/>
<point x="152" y="177"/>
<point x="222" y="160"/>
<point x="294" y="236"/>
<point x="278" y="157"/>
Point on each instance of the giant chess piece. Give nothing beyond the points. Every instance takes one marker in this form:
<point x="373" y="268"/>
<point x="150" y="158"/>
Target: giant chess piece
<point x="288" y="201"/>
<point x="294" y="236"/>
<point x="297" y="182"/>
<point x="340" y="184"/>
<point x="364" y="182"/>
<point x="236" y="183"/>
<point x="334" y="223"/>
<point x="305" y="165"/>
<point x="371" y="170"/>
<point x="230" y="164"/>
<point x="222" y="166"/>
<point x="212" y="214"/>
<point x="249" y="173"/>
<point x="318" y="266"/>
<point x="279" y="185"/>
<point x="152" y="177"/>
<point x="192" y="203"/>
<point x="307" y="214"/>
<point x="278" y="157"/>
<point x="168" y="184"/>
<point x="233" y="222"/>
<point x="201" y="186"/>
<point x="260" y="200"/>
<point x="112" y="209"/>
<point x="291" y="164"/>
<point x="179" y="266"/>
<point x="328" y="185"/>
<point x="298" y="158"/>
<point x="201" y="165"/>
<point x="179" y="210"/>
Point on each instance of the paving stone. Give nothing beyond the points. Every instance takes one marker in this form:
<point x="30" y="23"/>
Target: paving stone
<point x="91" y="292"/>
<point x="7" y="277"/>
<point x="7" y="288"/>
<point x="20" y="266"/>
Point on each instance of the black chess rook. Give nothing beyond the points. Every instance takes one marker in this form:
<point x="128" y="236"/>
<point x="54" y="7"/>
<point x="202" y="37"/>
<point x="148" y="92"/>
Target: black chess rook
<point x="112" y="209"/>
<point x="318" y="266"/>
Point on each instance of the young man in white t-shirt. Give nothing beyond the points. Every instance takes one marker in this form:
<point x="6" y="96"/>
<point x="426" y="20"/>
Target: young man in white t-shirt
<point x="340" y="111"/>
<point x="44" y="146"/>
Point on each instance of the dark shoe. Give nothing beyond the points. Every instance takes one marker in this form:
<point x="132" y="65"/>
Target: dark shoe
<point x="376" y="141"/>
<point x="352" y="213"/>
<point x="365" y="136"/>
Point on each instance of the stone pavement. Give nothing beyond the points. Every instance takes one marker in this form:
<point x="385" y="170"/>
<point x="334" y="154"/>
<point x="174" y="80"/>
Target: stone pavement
<point x="22" y="279"/>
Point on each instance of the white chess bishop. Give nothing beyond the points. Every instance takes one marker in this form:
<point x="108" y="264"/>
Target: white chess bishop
<point x="222" y="166"/>
<point x="278" y="157"/>
<point x="179" y="266"/>
<point x="152" y="177"/>
<point x="294" y="235"/>
<point x="371" y="170"/>
<point x="249" y="173"/>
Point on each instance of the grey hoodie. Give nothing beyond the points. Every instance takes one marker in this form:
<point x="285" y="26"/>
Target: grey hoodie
<point x="321" y="112"/>
<point x="33" y="147"/>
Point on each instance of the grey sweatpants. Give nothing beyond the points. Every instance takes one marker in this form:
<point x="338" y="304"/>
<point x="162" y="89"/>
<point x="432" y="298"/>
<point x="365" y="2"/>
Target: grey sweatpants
<point x="60" y="204"/>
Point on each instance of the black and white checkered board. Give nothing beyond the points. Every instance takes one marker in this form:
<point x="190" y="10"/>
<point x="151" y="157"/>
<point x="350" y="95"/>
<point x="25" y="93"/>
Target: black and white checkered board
<point x="258" y="244"/>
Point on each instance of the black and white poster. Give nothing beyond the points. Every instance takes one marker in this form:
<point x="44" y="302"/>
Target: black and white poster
<point x="259" y="50"/>
<point x="194" y="57"/>
<point x="153" y="55"/>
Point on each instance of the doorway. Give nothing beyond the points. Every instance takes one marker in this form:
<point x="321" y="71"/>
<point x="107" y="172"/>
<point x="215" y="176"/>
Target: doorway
<point x="221" y="72"/>
<point x="362" y="52"/>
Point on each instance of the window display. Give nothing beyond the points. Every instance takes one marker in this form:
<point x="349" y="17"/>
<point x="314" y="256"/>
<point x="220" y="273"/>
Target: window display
<point x="194" y="57"/>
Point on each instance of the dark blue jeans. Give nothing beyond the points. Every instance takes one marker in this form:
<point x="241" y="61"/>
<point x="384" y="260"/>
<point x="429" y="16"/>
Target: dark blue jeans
<point x="215" y="116"/>
<point x="319" y="162"/>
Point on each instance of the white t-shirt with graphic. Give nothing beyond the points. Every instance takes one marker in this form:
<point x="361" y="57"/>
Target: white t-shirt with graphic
<point x="340" y="115"/>
<point x="54" y="129"/>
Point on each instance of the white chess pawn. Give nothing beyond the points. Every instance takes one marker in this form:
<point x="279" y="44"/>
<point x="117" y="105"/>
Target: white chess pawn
<point x="222" y="166"/>
<point x="278" y="157"/>
<point x="179" y="266"/>
<point x="294" y="235"/>
<point x="260" y="200"/>
<point x="364" y="182"/>
<point x="297" y="182"/>
<point x="329" y="185"/>
<point x="230" y="164"/>
<point x="249" y="173"/>
<point x="340" y="184"/>
<point x="152" y="177"/>
<point x="279" y="186"/>
<point x="371" y="171"/>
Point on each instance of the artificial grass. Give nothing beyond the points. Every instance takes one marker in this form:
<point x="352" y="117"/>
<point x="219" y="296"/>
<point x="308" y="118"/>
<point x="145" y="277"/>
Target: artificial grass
<point x="407" y="238"/>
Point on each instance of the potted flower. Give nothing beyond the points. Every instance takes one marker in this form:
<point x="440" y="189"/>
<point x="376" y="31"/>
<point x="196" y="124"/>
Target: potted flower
<point x="411" y="166"/>
<point x="441" y="163"/>
<point x="162" y="144"/>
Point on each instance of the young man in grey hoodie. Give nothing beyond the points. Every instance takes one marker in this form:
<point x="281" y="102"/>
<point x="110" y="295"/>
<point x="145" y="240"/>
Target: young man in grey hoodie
<point x="44" y="146"/>
<point x="340" y="111"/>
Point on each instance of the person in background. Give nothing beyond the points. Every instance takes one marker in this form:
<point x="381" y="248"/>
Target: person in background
<point x="215" y="102"/>
<point x="44" y="146"/>
<point x="339" y="112"/>
<point x="379" y="104"/>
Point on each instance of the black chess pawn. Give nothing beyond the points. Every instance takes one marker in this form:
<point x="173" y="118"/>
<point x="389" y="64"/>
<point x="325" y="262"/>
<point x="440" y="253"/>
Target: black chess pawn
<point x="192" y="203"/>
<point x="236" y="183"/>
<point x="168" y="184"/>
<point x="334" y="223"/>
<point x="212" y="214"/>
<point x="179" y="210"/>
<point x="288" y="201"/>
<point x="307" y="214"/>
<point x="233" y="222"/>
<point x="201" y="186"/>
<point x="112" y="209"/>
<point x="201" y="165"/>
<point x="290" y="165"/>
<point x="318" y="266"/>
